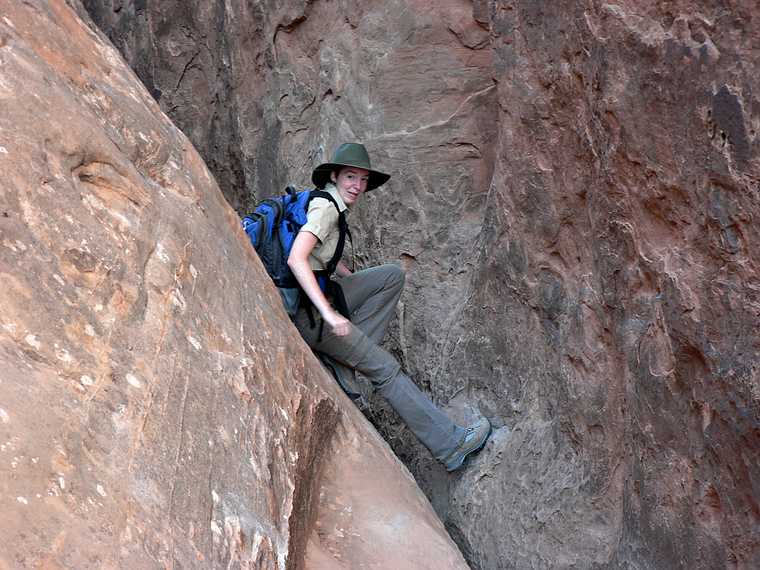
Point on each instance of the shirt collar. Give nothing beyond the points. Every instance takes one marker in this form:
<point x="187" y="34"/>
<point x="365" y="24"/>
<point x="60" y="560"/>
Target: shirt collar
<point x="333" y="191"/>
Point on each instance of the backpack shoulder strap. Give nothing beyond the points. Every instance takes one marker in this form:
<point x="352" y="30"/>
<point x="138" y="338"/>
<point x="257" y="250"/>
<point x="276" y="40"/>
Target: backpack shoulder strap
<point x="321" y="194"/>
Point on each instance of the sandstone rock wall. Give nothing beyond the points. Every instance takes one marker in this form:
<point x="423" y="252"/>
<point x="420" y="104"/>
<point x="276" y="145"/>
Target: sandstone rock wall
<point x="157" y="408"/>
<point x="575" y="196"/>
<point x="621" y="266"/>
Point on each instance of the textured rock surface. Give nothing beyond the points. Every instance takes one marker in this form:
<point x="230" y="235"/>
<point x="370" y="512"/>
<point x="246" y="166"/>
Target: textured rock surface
<point x="575" y="196"/>
<point x="146" y="420"/>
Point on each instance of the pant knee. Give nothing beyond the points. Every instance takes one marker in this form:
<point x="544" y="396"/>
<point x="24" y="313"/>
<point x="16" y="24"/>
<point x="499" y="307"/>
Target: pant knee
<point x="395" y="276"/>
<point x="384" y="377"/>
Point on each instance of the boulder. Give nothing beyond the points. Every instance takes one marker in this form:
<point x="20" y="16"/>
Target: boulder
<point x="157" y="407"/>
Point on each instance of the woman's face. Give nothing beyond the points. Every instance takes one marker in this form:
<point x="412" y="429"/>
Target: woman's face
<point x="351" y="183"/>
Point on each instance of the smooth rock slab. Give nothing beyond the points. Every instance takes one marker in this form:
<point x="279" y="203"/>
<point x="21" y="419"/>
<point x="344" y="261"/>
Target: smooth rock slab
<point x="157" y="408"/>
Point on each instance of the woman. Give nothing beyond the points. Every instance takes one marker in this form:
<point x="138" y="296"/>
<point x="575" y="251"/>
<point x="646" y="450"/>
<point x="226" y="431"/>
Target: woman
<point x="371" y="296"/>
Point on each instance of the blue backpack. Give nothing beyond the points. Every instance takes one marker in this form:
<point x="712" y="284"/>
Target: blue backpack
<point x="272" y="229"/>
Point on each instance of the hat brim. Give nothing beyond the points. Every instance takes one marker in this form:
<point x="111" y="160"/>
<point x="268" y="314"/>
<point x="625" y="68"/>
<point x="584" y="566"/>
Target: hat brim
<point x="321" y="175"/>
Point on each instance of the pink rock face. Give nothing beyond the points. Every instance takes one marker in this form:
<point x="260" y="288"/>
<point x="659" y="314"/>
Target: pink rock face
<point x="157" y="408"/>
<point x="575" y="197"/>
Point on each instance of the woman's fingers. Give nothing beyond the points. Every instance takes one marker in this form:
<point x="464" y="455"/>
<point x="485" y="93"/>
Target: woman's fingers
<point x="341" y="326"/>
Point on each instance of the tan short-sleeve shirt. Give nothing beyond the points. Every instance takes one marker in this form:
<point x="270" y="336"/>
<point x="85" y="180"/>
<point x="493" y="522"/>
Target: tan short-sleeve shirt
<point x="322" y="221"/>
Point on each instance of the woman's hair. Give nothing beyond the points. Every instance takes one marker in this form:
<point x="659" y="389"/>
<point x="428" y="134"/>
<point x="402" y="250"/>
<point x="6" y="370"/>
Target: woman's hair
<point x="336" y="171"/>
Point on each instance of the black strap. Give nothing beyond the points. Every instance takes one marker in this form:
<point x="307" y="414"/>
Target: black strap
<point x="335" y="292"/>
<point x="353" y="257"/>
<point x="339" y="299"/>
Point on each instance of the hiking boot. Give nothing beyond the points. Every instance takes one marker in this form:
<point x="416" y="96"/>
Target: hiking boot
<point x="475" y="438"/>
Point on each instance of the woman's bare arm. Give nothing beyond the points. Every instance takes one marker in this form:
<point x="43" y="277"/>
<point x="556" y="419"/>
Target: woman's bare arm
<point x="298" y="261"/>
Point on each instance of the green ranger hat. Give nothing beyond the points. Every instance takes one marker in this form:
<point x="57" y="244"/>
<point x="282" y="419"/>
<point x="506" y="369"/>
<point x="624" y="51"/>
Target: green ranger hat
<point x="349" y="154"/>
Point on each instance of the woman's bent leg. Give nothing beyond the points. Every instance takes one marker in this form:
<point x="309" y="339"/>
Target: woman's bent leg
<point x="372" y="295"/>
<point x="358" y="351"/>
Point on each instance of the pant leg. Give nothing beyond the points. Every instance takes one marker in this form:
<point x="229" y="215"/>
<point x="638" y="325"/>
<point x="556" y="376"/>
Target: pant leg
<point x="358" y="392"/>
<point x="359" y="352"/>
<point x="372" y="295"/>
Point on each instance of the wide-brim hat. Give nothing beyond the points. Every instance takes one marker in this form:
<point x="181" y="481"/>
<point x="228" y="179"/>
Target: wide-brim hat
<point x="349" y="154"/>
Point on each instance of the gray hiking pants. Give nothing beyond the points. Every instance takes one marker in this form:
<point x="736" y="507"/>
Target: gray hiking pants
<point x="371" y="296"/>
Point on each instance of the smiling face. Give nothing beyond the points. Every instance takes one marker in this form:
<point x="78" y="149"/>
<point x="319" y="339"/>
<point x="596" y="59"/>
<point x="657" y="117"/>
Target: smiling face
<point x="351" y="183"/>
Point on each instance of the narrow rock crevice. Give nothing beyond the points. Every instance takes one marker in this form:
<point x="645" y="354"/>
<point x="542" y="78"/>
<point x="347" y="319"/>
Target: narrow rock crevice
<point x="314" y="432"/>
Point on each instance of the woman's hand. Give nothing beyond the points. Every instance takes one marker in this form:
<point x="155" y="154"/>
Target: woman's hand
<point x="342" y="270"/>
<point x="340" y="325"/>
